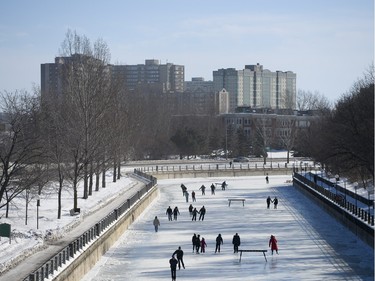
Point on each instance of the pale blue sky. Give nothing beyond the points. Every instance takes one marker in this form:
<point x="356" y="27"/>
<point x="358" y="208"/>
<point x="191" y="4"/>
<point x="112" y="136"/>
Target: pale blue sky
<point x="328" y="43"/>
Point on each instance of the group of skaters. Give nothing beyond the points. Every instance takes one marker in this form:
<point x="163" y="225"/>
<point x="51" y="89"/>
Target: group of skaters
<point x="186" y="194"/>
<point x="199" y="246"/>
<point x="176" y="259"/>
<point x="275" y="201"/>
<point x="172" y="213"/>
<point x="193" y="213"/>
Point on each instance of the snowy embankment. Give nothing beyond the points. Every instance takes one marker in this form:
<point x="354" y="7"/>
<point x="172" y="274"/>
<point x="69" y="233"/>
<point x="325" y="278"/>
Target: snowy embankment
<point x="26" y="239"/>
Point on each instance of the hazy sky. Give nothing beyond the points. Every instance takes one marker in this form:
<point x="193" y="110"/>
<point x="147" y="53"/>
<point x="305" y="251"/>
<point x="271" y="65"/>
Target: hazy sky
<point x="329" y="44"/>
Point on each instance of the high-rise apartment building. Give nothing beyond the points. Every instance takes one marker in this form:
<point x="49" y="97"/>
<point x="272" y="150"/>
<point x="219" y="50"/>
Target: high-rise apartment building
<point x="167" y="78"/>
<point x="257" y="87"/>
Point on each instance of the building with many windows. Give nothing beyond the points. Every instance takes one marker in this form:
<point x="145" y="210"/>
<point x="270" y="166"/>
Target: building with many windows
<point x="164" y="78"/>
<point x="257" y="87"/>
<point x="167" y="78"/>
<point x="197" y="84"/>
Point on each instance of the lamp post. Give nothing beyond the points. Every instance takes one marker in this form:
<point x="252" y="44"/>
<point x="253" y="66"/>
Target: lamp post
<point x="355" y="189"/>
<point x="337" y="177"/>
<point x="226" y="140"/>
<point x="37" y="211"/>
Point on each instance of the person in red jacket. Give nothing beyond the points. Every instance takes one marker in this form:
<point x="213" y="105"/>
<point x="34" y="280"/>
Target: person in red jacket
<point x="273" y="244"/>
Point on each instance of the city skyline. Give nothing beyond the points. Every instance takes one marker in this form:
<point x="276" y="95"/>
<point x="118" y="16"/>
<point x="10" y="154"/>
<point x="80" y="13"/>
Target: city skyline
<point x="328" y="44"/>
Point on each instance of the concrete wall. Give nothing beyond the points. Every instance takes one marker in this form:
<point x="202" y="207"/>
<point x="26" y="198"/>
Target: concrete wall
<point x="84" y="262"/>
<point x="361" y="229"/>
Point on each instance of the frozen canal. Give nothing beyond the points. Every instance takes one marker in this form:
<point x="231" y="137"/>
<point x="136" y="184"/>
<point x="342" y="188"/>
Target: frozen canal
<point x="312" y="245"/>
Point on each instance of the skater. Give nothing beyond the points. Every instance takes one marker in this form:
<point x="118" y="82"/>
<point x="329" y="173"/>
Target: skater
<point x="273" y="244"/>
<point x="156" y="223"/>
<point x="219" y="241"/>
<point x="195" y="211"/>
<point x="175" y="213"/>
<point x="236" y="242"/>
<point x="268" y="200"/>
<point x="183" y="188"/>
<point x="191" y="210"/>
<point x="223" y="185"/>
<point x="180" y="257"/>
<point x="193" y="196"/>
<point x="187" y="196"/>
<point x="203" y="245"/>
<point x="275" y="202"/>
<point x="230" y="164"/>
<point x="203" y="188"/>
<point x="202" y="212"/>
<point x="193" y="239"/>
<point x="197" y="243"/>
<point x="173" y="264"/>
<point x="213" y="189"/>
<point x="267" y="179"/>
<point x="169" y="213"/>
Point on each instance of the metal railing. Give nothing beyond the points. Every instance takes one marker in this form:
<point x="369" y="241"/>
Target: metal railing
<point x="226" y="167"/>
<point x="72" y="250"/>
<point x="354" y="209"/>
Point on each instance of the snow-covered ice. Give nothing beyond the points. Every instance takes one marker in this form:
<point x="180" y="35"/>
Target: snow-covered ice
<point x="312" y="245"/>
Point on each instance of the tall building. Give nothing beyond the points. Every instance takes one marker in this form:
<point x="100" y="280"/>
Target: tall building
<point x="167" y="78"/>
<point x="257" y="87"/>
<point x="53" y="75"/>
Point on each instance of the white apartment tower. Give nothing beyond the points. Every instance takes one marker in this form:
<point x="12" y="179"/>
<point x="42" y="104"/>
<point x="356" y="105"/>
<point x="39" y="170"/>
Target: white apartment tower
<point x="257" y="87"/>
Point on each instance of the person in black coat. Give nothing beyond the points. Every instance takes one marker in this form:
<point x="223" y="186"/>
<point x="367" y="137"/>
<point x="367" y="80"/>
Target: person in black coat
<point x="180" y="257"/>
<point x="191" y="208"/>
<point x="195" y="212"/>
<point x="169" y="213"/>
<point x="275" y="202"/>
<point x="202" y="212"/>
<point x="193" y="241"/>
<point x="175" y="213"/>
<point x="173" y="265"/>
<point x="219" y="241"/>
<point x="236" y="242"/>
<point x="223" y="185"/>
<point x="213" y="189"/>
<point x="197" y="243"/>
<point x="203" y="188"/>
<point x="268" y="202"/>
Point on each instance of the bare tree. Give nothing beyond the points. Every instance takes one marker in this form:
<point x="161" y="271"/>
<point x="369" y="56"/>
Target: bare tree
<point x="85" y="86"/>
<point x="287" y="133"/>
<point x="263" y="135"/>
<point x="344" y="140"/>
<point x="20" y="148"/>
<point x="309" y="101"/>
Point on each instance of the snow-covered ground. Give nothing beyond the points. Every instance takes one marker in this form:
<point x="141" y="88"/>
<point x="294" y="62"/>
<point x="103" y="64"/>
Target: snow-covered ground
<point x="312" y="245"/>
<point x="27" y="239"/>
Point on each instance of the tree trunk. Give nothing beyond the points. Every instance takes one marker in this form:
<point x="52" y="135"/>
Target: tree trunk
<point x="103" y="177"/>
<point x="59" y="199"/>
<point x="118" y="170"/>
<point x="85" y="181"/>
<point x="114" y="171"/>
<point x="97" y="179"/>
<point x="91" y="179"/>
